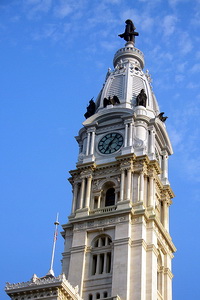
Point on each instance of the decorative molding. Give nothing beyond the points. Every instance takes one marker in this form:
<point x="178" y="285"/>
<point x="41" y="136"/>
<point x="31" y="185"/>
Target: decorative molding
<point x="36" y="284"/>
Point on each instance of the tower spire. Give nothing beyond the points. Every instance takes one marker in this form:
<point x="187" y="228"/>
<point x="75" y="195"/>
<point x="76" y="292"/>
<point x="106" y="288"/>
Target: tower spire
<point x="56" y="223"/>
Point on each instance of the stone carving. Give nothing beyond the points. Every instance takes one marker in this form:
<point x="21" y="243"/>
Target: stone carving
<point x="86" y="174"/>
<point x="138" y="143"/>
<point x="81" y="156"/>
<point x="161" y="117"/>
<point x="95" y="184"/>
<point x="104" y="172"/>
<point x="108" y="73"/>
<point x="141" y="99"/>
<point x="126" y="165"/>
<point x="148" y="76"/>
<point x="89" y="224"/>
<point x="114" y="100"/>
<point x="90" y="109"/>
<point x="129" y="34"/>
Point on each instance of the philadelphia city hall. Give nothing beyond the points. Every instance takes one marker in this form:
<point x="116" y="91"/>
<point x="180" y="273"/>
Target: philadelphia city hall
<point x="117" y="240"/>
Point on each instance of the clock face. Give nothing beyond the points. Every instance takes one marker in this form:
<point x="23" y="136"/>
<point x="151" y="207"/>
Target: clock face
<point x="110" y="143"/>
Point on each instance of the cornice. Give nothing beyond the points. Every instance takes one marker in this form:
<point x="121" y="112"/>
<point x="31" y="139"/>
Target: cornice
<point x="36" y="285"/>
<point x="163" y="232"/>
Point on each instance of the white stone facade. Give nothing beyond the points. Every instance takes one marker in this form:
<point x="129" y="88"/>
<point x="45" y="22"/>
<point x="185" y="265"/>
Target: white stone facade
<point x="136" y="263"/>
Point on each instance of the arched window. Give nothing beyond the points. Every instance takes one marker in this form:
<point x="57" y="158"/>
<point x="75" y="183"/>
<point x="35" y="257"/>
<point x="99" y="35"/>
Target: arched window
<point x="101" y="255"/>
<point x="110" y="197"/>
<point x="90" y="297"/>
<point x="97" y="296"/>
<point x="105" y="294"/>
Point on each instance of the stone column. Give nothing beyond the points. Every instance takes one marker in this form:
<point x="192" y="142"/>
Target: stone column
<point x="122" y="185"/>
<point x="88" y="191"/>
<point x="92" y="142"/>
<point x="105" y="262"/>
<point x="126" y="135"/>
<point x="165" y="215"/>
<point x="98" y="264"/>
<point x="82" y="192"/>
<point x="130" y="134"/>
<point x="75" y="193"/>
<point x="128" y="184"/>
<point x="99" y="201"/>
<point x="165" y="165"/>
<point x="88" y="143"/>
<point x="141" y="187"/>
<point x="151" y="190"/>
<point x="152" y="141"/>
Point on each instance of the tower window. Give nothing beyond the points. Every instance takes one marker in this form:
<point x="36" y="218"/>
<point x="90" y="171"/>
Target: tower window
<point x="97" y="296"/>
<point x="90" y="297"/>
<point x="110" y="197"/>
<point x="94" y="264"/>
<point x="101" y="256"/>
<point x="105" y="294"/>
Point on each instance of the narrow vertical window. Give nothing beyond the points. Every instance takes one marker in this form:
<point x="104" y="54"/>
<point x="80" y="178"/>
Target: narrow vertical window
<point x="110" y="197"/>
<point x="101" y="263"/>
<point x="90" y="297"/>
<point x="105" y="294"/>
<point x="108" y="266"/>
<point x="94" y="264"/>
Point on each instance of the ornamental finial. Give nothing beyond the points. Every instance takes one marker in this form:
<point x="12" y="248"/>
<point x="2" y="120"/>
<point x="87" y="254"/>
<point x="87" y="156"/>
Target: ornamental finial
<point x="129" y="34"/>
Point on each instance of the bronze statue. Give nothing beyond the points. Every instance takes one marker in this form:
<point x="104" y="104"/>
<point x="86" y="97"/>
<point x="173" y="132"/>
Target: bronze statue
<point x="161" y="117"/>
<point x="114" y="100"/>
<point x="129" y="34"/>
<point x="141" y="99"/>
<point x="90" y="109"/>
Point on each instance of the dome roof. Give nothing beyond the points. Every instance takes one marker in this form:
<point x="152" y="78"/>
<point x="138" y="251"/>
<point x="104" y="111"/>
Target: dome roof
<point x="127" y="80"/>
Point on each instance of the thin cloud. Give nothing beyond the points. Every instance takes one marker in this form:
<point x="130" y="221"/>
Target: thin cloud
<point x="185" y="43"/>
<point x="192" y="85"/>
<point x="195" y="68"/>
<point x="35" y="7"/>
<point x="169" y="24"/>
<point x="179" y="78"/>
<point x="63" y="10"/>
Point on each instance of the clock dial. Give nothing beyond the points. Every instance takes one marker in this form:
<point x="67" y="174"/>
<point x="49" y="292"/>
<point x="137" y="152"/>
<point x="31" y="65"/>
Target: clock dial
<point x="110" y="143"/>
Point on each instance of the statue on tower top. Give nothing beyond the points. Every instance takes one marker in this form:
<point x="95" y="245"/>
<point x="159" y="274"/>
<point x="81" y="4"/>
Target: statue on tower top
<point x="129" y="34"/>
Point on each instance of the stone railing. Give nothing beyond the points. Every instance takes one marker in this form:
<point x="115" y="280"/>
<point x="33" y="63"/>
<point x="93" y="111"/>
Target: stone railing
<point x="130" y="52"/>
<point x="103" y="210"/>
<point x="112" y="298"/>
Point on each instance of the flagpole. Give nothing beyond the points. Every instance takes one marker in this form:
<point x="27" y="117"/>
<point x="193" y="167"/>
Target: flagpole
<point x="56" y="223"/>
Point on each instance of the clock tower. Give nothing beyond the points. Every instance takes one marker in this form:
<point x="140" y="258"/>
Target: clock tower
<point x="117" y="241"/>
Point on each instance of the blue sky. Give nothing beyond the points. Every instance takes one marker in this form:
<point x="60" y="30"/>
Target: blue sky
<point x="54" y="58"/>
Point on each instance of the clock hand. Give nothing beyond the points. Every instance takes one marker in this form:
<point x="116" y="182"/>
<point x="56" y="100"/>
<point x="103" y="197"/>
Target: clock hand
<point x="109" y="144"/>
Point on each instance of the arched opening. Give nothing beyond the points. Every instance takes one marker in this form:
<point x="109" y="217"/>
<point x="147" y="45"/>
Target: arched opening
<point x="105" y="294"/>
<point x="110" y="197"/>
<point x="101" y="255"/>
<point x="90" y="297"/>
